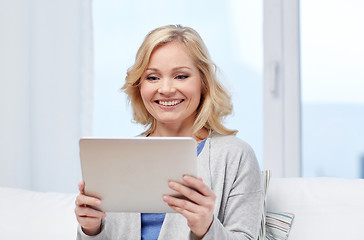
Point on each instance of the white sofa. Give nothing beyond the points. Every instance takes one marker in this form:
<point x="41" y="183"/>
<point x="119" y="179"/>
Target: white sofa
<point x="324" y="208"/>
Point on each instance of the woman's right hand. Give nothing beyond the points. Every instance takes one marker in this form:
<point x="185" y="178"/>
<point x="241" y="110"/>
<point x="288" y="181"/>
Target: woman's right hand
<point x="87" y="217"/>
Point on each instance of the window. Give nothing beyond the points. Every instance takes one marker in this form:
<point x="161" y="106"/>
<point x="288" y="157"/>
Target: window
<point x="328" y="35"/>
<point x="332" y="50"/>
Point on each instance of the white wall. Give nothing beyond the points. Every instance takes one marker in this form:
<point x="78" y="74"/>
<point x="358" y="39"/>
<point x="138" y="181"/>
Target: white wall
<point x="14" y="80"/>
<point x="45" y="92"/>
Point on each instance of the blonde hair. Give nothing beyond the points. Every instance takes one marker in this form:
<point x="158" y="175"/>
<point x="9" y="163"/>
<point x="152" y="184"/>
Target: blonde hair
<point x="215" y="100"/>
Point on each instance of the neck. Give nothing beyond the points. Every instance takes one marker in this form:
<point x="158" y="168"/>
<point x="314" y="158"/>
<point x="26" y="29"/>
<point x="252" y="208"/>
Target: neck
<point x="171" y="131"/>
<point x="179" y="131"/>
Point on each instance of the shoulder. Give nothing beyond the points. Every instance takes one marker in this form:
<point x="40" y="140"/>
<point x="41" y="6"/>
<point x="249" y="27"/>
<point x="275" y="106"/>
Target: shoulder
<point x="229" y="143"/>
<point x="236" y="159"/>
<point x="233" y="151"/>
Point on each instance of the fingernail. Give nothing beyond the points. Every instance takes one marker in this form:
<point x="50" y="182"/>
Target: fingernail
<point x="186" y="177"/>
<point x="165" y="198"/>
<point x="172" y="184"/>
<point x="97" y="202"/>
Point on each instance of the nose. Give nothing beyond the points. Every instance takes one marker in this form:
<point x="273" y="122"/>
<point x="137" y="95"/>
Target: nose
<point x="166" y="87"/>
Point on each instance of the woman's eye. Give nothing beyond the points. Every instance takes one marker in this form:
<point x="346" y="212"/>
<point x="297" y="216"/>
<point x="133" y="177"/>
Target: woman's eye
<point x="182" y="76"/>
<point x="152" y="78"/>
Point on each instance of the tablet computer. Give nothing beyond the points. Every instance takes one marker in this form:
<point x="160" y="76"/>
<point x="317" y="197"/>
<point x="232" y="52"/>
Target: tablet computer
<point x="132" y="174"/>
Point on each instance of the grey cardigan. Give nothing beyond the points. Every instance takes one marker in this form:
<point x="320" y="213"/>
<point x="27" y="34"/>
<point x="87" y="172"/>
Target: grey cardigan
<point x="229" y="167"/>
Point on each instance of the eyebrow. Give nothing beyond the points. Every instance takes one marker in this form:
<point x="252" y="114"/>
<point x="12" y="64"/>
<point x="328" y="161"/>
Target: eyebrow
<point x="174" y="69"/>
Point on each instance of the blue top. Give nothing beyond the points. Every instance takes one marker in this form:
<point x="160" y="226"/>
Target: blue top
<point x="152" y="222"/>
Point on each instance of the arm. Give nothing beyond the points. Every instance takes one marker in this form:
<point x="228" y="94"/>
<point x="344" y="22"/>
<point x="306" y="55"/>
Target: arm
<point x="241" y="222"/>
<point x="239" y="215"/>
<point x="197" y="208"/>
<point x="233" y="173"/>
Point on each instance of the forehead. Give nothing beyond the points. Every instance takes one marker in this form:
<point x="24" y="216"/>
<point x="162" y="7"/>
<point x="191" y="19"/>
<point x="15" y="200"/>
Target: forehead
<point x="171" y="54"/>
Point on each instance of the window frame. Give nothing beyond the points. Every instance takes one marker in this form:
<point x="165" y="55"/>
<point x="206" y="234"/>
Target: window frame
<point x="282" y="91"/>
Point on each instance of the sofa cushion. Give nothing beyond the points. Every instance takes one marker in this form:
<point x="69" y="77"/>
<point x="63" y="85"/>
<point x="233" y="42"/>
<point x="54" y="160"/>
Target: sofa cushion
<point x="35" y="215"/>
<point x="278" y="225"/>
<point x="324" y="208"/>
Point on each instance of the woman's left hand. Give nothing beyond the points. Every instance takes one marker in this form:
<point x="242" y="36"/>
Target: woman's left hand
<point x="198" y="206"/>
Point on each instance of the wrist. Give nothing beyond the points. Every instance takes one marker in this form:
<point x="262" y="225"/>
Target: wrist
<point x="202" y="234"/>
<point x="91" y="232"/>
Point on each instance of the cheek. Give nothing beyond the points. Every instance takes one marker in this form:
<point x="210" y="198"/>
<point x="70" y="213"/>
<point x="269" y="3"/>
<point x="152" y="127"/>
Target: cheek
<point x="144" y="92"/>
<point x="196" y="91"/>
<point x="198" y="101"/>
<point x="195" y="96"/>
<point x="145" y="96"/>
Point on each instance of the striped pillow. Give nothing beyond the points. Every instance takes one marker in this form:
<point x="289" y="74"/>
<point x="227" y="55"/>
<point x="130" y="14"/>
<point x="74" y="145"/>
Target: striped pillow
<point x="278" y="225"/>
<point x="265" y="180"/>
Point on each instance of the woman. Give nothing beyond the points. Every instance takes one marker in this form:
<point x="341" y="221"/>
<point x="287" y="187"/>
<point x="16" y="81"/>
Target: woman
<point x="173" y="90"/>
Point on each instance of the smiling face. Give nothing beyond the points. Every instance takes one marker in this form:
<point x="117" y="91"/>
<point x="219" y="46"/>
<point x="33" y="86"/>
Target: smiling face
<point x="171" y="86"/>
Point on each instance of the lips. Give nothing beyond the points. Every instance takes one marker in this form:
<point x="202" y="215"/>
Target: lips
<point x="168" y="103"/>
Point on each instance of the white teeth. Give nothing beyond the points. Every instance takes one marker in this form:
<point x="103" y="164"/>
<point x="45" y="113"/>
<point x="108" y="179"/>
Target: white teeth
<point x="169" y="103"/>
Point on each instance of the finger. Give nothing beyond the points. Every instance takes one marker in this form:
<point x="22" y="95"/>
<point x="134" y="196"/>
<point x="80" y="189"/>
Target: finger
<point x="81" y="187"/>
<point x="181" y="204"/>
<point x="86" y="200"/>
<point x="88" y="223"/>
<point x="187" y="192"/>
<point x="199" y="185"/>
<point x="87" y="212"/>
<point x="187" y="214"/>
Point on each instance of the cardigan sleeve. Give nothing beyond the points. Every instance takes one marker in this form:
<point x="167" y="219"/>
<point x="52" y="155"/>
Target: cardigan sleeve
<point x="236" y="228"/>
<point x="82" y="236"/>
<point x="240" y="213"/>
